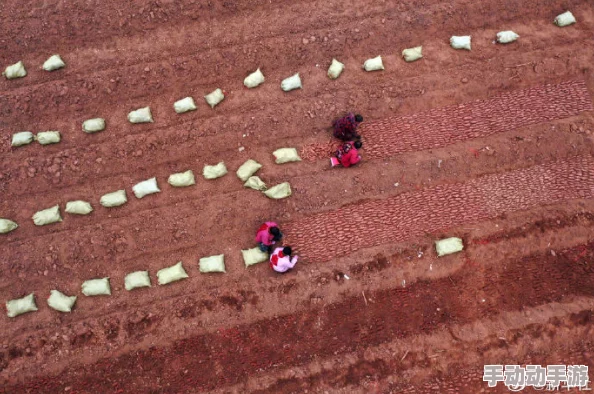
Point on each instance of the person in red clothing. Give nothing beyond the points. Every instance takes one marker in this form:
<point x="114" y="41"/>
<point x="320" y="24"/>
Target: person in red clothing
<point x="345" y="128"/>
<point x="348" y="154"/>
<point x="267" y="235"/>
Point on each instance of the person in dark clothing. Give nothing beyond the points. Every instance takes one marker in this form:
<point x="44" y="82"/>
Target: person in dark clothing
<point x="345" y="128"/>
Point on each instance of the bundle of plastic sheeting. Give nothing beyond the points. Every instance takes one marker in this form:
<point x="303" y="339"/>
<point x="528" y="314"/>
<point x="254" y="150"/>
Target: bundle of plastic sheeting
<point x="22" y="138"/>
<point x="95" y="287"/>
<point x="335" y="69"/>
<point x="247" y="169"/>
<point x="291" y="83"/>
<point x="60" y="301"/>
<point x="93" y="125"/>
<point x="412" y="54"/>
<point x="182" y="179"/>
<point x="21" y="305"/>
<point x="141" y="115"/>
<point x="212" y="264"/>
<point x="254" y="79"/>
<point x="373" y="64"/>
<point x="286" y="155"/>
<point x="214" y="97"/>
<point x="137" y="279"/>
<point x="171" y="274"/>
<point x="48" y="137"/>
<point x="184" y="105"/>
<point x="255" y="183"/>
<point x="565" y="19"/>
<point x="213" y="172"/>
<point x="47" y="216"/>
<point x="7" y="226"/>
<point x="145" y="188"/>
<point x="448" y="246"/>
<point x="14" y="71"/>
<point x="253" y="256"/>
<point x="507" y="36"/>
<point x="460" y="42"/>
<point x="279" y="191"/>
<point x="114" y="199"/>
<point x="54" y="62"/>
<point x="78" y="207"/>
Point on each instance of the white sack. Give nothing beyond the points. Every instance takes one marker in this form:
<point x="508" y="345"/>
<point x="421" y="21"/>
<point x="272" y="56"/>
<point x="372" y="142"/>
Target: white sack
<point x="53" y="63"/>
<point x="213" y="172"/>
<point x="448" y="246"/>
<point x="291" y="83"/>
<point x="141" y="115"/>
<point x="214" y="97"/>
<point x="182" y="179"/>
<point x="335" y="69"/>
<point x="22" y="138"/>
<point x="96" y="287"/>
<point x="255" y="183"/>
<point x="114" y="199"/>
<point x="16" y="70"/>
<point x="213" y="263"/>
<point x="373" y="64"/>
<point x="279" y="191"/>
<point x="60" y="301"/>
<point x="93" y="125"/>
<point x="137" y="279"/>
<point x="254" y="79"/>
<point x="21" y="305"/>
<point x="253" y="256"/>
<point x="47" y="216"/>
<point x="79" y="207"/>
<point x="7" y="226"/>
<point x="248" y="169"/>
<point x="48" y="137"/>
<point x="505" y="37"/>
<point x="184" y="105"/>
<point x="412" y="54"/>
<point x="565" y="19"/>
<point x="286" y="155"/>
<point x="460" y="42"/>
<point x="145" y="188"/>
<point x="171" y="274"/>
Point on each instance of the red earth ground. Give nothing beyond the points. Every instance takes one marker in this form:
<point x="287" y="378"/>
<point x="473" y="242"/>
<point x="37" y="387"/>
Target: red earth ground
<point x="494" y="146"/>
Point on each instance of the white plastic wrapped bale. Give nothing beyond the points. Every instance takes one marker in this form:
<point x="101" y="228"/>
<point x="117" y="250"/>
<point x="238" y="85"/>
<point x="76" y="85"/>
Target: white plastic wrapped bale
<point x="247" y="169"/>
<point x="505" y="37"/>
<point x="373" y="64"/>
<point x="412" y="54"/>
<point x="14" y="71"/>
<point x="60" y="301"/>
<point x="291" y="83"/>
<point x="286" y="155"/>
<point x="145" y="188"/>
<point x="214" y="172"/>
<point x="282" y="190"/>
<point x="47" y="216"/>
<point x="48" y="137"/>
<point x="214" y="97"/>
<point x="22" y="138"/>
<point x="182" y="179"/>
<point x="460" y="42"/>
<point x="137" y="279"/>
<point x="565" y="19"/>
<point x="253" y="256"/>
<point x="335" y="69"/>
<point x="171" y="274"/>
<point x="93" y="125"/>
<point x="255" y="183"/>
<point x="254" y="79"/>
<point x="448" y="246"/>
<point x="95" y="287"/>
<point x="54" y="62"/>
<point x="114" y="199"/>
<point x="141" y="115"/>
<point x="78" y="207"/>
<point x="7" y="226"/>
<point x="213" y="264"/>
<point x="184" y="105"/>
<point x="21" y="305"/>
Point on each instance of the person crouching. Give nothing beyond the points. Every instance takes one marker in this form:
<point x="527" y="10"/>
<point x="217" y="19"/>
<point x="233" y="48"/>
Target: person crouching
<point x="281" y="260"/>
<point x="267" y="235"/>
<point x="347" y="155"/>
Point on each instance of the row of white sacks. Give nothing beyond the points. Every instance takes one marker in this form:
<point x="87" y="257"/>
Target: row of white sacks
<point x="182" y="179"/>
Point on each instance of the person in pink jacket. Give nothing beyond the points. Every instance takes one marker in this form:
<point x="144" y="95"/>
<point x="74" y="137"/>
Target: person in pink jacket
<point x="281" y="260"/>
<point x="268" y="234"/>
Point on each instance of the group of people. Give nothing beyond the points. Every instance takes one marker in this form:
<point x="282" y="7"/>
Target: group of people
<point x="280" y="257"/>
<point x="345" y="129"/>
